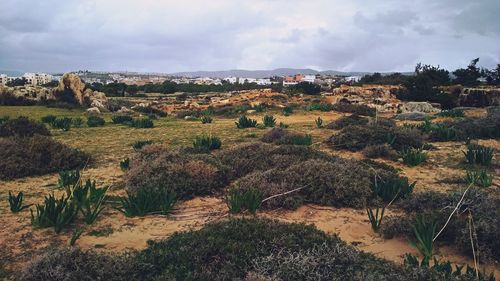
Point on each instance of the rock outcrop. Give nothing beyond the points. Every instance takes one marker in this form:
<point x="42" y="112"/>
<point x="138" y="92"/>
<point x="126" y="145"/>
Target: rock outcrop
<point x="422" y="107"/>
<point x="84" y="96"/>
<point x="479" y="97"/>
<point x="381" y="97"/>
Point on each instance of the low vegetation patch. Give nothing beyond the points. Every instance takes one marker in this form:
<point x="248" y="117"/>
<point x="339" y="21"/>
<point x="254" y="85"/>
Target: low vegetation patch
<point x="384" y="151"/>
<point x="478" y="155"/>
<point x="245" y="122"/>
<point x="206" y="143"/>
<point x="147" y="201"/>
<point x="413" y="157"/>
<point x="45" y="156"/>
<point x="22" y="127"/>
<point x="359" y="109"/>
<point x="283" y="137"/>
<point x="95" y="121"/>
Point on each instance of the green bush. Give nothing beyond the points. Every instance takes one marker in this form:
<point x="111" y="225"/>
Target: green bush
<point x="63" y="123"/>
<point x="22" y="127"/>
<point x="453" y="113"/>
<point x="16" y="202"/>
<point x="206" y="143"/>
<point x="480" y="178"/>
<point x="206" y="120"/>
<point x="478" y="155"/>
<point x="141" y="123"/>
<point x="413" y="157"/>
<point x="179" y="171"/>
<point x="325" y="107"/>
<point x="138" y="145"/>
<point x="359" y="109"/>
<point x="125" y="164"/>
<point x="121" y="119"/>
<point x="318" y="122"/>
<point x="95" y="121"/>
<point x="288" y="110"/>
<point x="269" y="121"/>
<point x="48" y="119"/>
<point x="147" y="201"/>
<point x="54" y="212"/>
<point x="245" y="122"/>
<point x="45" y="156"/>
<point x="241" y="200"/>
<point x="77" y="122"/>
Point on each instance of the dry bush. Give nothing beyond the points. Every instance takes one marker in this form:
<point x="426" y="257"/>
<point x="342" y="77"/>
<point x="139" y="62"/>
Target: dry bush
<point x="73" y="264"/>
<point x="359" y="109"/>
<point x="342" y="183"/>
<point x="357" y="137"/>
<point x="246" y="158"/>
<point x="37" y="155"/>
<point x="384" y="151"/>
<point x="345" y="121"/>
<point x="22" y="127"/>
<point x="282" y="136"/>
<point x="184" y="173"/>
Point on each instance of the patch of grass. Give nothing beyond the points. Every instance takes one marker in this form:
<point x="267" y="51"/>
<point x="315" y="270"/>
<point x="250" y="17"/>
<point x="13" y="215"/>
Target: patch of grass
<point x="478" y="155"/>
<point x="147" y="201"/>
<point x="241" y="200"/>
<point x="95" y="121"/>
<point x="480" y="178"/>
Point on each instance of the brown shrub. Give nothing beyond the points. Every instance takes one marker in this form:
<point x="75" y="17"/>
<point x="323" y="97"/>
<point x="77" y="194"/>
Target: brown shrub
<point x="186" y="174"/>
<point x="384" y="151"/>
<point x="345" y="121"/>
<point x="37" y="155"/>
<point x="22" y="127"/>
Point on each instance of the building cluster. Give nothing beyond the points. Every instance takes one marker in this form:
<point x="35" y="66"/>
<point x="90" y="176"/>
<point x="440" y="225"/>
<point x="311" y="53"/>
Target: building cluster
<point x="34" y="79"/>
<point x="242" y="80"/>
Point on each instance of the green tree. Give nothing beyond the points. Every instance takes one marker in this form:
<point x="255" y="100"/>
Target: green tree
<point x="468" y="76"/>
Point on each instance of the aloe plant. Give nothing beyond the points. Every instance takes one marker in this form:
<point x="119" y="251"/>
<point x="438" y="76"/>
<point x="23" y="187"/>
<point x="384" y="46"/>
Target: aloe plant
<point x="319" y="122"/>
<point x="478" y="155"/>
<point x="424" y="229"/>
<point x="206" y="143"/>
<point x="16" y="202"/>
<point x="239" y="200"/>
<point x="234" y="201"/>
<point x="206" y="120"/>
<point x="68" y="178"/>
<point x="413" y="157"/>
<point x="269" y="121"/>
<point x="54" y="212"/>
<point x="481" y="178"/>
<point x="75" y="236"/>
<point x="245" y="122"/>
<point x="147" y="201"/>
<point x="393" y="188"/>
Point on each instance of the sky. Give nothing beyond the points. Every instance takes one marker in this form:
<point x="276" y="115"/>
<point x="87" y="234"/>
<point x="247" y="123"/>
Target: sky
<point x="189" y="35"/>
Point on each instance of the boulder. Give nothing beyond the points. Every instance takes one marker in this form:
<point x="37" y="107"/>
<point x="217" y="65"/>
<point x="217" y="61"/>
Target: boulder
<point x="93" y="111"/>
<point x="412" y="116"/>
<point x="84" y="96"/>
<point x="422" y="107"/>
<point x="471" y="97"/>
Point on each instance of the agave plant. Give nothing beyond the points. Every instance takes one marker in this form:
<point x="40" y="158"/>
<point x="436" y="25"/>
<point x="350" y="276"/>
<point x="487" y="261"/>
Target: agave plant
<point x="206" y="119"/>
<point x="424" y="229"/>
<point x="16" y="202"/>
<point x="319" y="122"/>
<point x="68" y="178"/>
<point x="54" y="212"/>
<point x="393" y="188"/>
<point x="375" y="219"/>
<point x="245" y="122"/>
<point x="147" y="201"/>
<point x="269" y="121"/>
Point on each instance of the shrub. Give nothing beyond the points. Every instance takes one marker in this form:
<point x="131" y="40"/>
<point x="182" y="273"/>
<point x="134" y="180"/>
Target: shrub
<point x="287" y="110"/>
<point x="77" y="122"/>
<point x="141" y="123"/>
<point x="206" y="143"/>
<point x="481" y="178"/>
<point x="45" y="156"/>
<point x="413" y="157"/>
<point x="393" y="188"/>
<point x="206" y="120"/>
<point x="384" y="151"/>
<point x="95" y="121"/>
<point x="245" y="122"/>
<point x="147" y="201"/>
<point x="73" y="264"/>
<point x="150" y="110"/>
<point x="319" y="106"/>
<point x="121" y="119"/>
<point x="342" y="183"/>
<point x="54" y="212"/>
<point x="318" y="122"/>
<point x="241" y="200"/>
<point x="359" y="109"/>
<point x="345" y="121"/>
<point x="283" y="137"/>
<point x="269" y="121"/>
<point x="48" y="119"/>
<point x="22" y="127"/>
<point x="12" y="100"/>
<point x="237" y="246"/>
<point x="181" y="172"/>
<point x="357" y="137"/>
<point x="125" y="164"/>
<point x="453" y="113"/>
<point x="478" y="155"/>
<point x="16" y="202"/>
<point x="137" y="145"/>
<point x="63" y="123"/>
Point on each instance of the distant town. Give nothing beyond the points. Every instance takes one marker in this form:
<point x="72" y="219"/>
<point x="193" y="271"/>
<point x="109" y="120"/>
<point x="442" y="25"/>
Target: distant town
<point x="40" y="79"/>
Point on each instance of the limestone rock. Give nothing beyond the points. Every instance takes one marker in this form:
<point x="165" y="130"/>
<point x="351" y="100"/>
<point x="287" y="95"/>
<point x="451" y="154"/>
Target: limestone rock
<point x="422" y="107"/>
<point x="93" y="111"/>
<point x="412" y="116"/>
<point x="85" y="97"/>
<point x="471" y="97"/>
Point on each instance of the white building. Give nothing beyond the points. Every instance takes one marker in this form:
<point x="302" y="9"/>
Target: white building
<point x="247" y="80"/>
<point x="308" y="78"/>
<point x="264" y="81"/>
<point x="3" y="79"/>
<point x="352" y="78"/>
<point x="232" y="80"/>
<point x="37" y="78"/>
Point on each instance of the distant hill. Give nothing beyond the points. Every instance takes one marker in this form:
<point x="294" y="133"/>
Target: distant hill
<point x="263" y="73"/>
<point x="12" y="73"/>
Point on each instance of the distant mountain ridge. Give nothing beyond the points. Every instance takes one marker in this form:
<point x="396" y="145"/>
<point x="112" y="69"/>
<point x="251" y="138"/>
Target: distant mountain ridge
<point x="264" y="73"/>
<point x="12" y="73"/>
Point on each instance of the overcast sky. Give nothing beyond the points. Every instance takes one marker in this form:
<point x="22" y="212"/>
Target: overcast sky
<point x="188" y="35"/>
